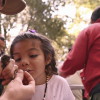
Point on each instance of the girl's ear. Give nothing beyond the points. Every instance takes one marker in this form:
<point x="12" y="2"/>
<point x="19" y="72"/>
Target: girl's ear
<point x="48" y="59"/>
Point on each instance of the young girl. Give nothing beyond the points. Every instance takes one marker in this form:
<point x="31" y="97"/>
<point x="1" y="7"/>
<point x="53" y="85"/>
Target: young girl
<point x="34" y="53"/>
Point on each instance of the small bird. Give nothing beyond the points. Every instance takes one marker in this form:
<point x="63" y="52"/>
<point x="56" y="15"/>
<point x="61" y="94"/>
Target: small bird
<point x="5" y="59"/>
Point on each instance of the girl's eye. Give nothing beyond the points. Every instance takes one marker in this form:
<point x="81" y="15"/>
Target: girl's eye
<point x="17" y="60"/>
<point x="33" y="56"/>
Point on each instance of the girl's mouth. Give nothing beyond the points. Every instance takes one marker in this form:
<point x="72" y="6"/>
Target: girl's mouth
<point x="29" y="71"/>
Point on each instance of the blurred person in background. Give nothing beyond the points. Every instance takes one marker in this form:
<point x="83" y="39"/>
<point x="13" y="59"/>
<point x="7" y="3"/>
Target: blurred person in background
<point x="12" y="7"/>
<point x="85" y="54"/>
<point x="9" y="7"/>
<point x="2" y="45"/>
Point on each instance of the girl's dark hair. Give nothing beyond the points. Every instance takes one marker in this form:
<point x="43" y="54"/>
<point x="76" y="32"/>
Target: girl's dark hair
<point x="45" y="46"/>
<point x="96" y="14"/>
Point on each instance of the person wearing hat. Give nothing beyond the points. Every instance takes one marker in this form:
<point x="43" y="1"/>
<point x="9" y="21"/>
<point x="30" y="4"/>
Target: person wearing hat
<point x="85" y="54"/>
<point x="2" y="44"/>
<point x="9" y="7"/>
<point x="12" y="7"/>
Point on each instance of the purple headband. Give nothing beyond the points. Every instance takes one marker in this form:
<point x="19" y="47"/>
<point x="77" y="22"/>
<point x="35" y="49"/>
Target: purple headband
<point x="32" y="31"/>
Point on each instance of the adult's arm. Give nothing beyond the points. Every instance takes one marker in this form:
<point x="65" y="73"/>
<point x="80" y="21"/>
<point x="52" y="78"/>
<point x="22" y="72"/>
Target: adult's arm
<point x="8" y="72"/>
<point x="16" y="90"/>
<point x="76" y="58"/>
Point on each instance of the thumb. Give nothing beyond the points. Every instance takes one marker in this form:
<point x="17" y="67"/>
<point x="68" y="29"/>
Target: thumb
<point x="31" y="83"/>
<point x="29" y="78"/>
<point x="19" y="75"/>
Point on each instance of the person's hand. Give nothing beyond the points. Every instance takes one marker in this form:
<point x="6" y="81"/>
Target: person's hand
<point x="8" y="72"/>
<point x="15" y="90"/>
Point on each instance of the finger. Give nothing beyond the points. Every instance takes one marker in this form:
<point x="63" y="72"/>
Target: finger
<point x="11" y="73"/>
<point x="25" y="82"/>
<point x="0" y="70"/>
<point x="0" y="66"/>
<point x="29" y="78"/>
<point x="5" y="82"/>
<point x="1" y="74"/>
<point x="31" y="83"/>
<point x="8" y="68"/>
<point x="1" y="77"/>
<point x="19" y="75"/>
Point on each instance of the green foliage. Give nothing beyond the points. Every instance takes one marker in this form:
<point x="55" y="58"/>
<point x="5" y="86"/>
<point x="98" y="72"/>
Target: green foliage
<point x="42" y="21"/>
<point x="40" y="16"/>
<point x="87" y="3"/>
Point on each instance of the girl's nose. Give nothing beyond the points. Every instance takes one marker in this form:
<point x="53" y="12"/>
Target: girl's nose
<point x="24" y="62"/>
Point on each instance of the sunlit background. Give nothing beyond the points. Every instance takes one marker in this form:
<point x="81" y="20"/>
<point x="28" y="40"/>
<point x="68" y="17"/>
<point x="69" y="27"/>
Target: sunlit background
<point x="59" y="20"/>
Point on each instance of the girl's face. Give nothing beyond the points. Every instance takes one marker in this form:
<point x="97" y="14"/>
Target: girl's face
<point x="29" y="57"/>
